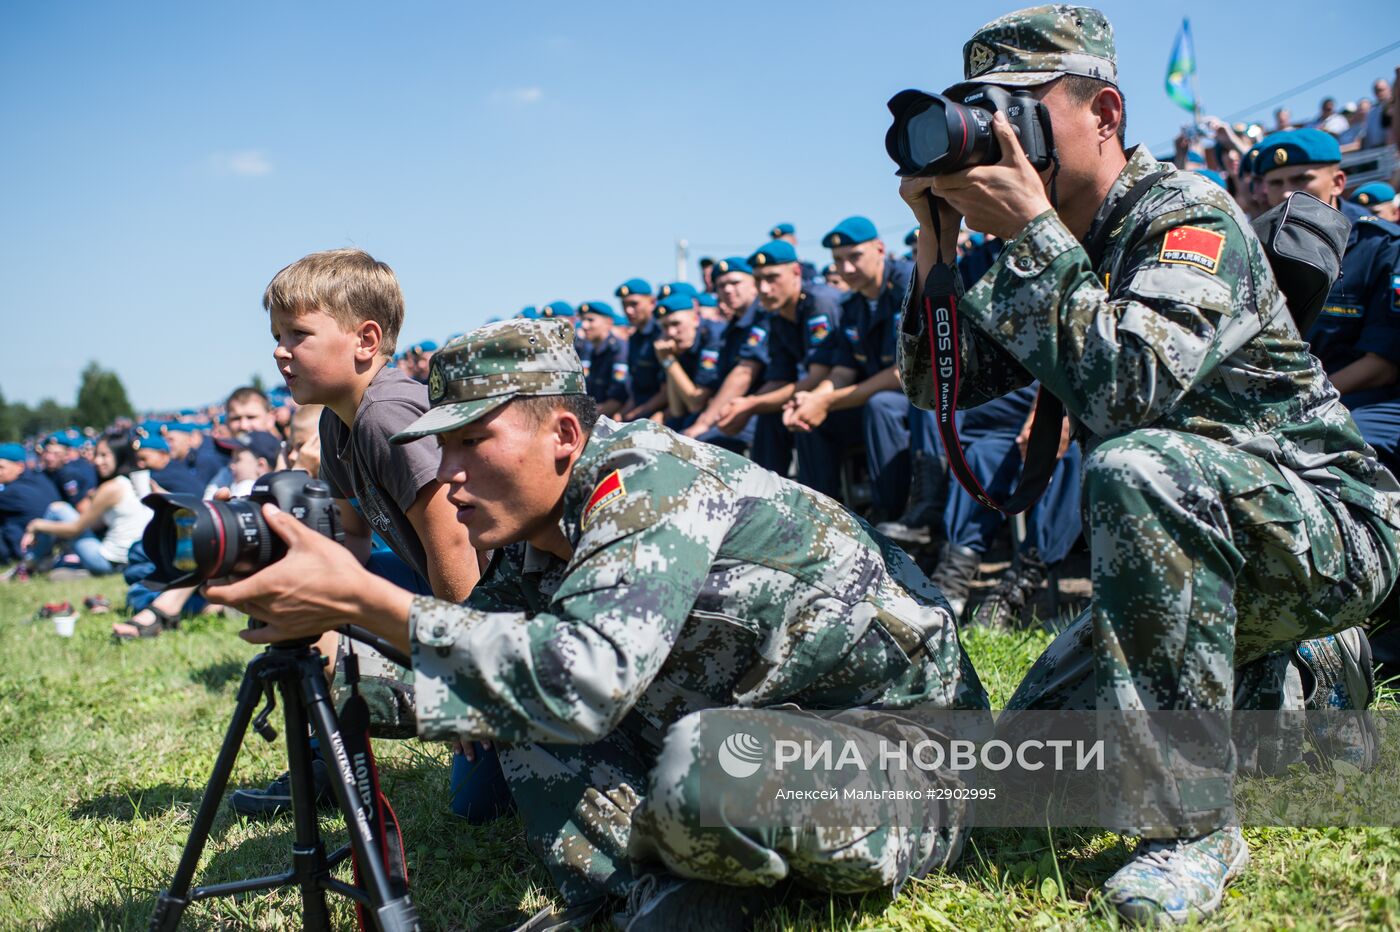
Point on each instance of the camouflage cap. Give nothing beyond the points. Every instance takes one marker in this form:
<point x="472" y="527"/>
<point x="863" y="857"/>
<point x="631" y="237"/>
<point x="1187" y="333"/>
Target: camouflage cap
<point x="480" y="371"/>
<point x="1039" y="44"/>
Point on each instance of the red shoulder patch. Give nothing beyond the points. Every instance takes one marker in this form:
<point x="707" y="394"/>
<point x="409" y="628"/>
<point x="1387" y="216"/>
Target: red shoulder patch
<point x="1193" y="246"/>
<point x="608" y="489"/>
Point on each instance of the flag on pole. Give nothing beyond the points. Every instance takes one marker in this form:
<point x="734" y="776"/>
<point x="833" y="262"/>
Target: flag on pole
<point x="1181" y="70"/>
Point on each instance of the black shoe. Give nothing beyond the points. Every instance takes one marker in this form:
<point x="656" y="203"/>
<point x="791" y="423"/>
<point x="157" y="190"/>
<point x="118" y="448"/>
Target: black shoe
<point x="928" y="485"/>
<point x="277" y="798"/>
<point x="662" y="903"/>
<point x="954" y="575"/>
<point x="1005" y="606"/>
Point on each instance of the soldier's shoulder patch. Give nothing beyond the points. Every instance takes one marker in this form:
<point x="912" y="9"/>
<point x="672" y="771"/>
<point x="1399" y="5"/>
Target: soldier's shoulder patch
<point x="757" y="335"/>
<point x="1395" y="292"/>
<point x="709" y="359"/>
<point x="608" y="489"/>
<point x="619" y="372"/>
<point x="1194" y="246"/>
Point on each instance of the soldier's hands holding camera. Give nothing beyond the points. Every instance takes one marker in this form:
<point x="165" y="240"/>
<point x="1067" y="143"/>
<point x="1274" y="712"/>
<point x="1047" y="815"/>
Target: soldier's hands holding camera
<point x="999" y="198"/>
<point x="317" y="586"/>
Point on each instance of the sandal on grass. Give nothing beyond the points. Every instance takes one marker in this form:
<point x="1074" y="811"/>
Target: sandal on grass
<point x="163" y="621"/>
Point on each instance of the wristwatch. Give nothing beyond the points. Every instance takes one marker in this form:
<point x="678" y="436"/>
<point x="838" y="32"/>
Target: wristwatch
<point x="668" y="362"/>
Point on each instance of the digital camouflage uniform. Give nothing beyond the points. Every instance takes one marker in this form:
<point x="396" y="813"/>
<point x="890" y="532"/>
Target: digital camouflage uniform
<point x="699" y="583"/>
<point x="1230" y="504"/>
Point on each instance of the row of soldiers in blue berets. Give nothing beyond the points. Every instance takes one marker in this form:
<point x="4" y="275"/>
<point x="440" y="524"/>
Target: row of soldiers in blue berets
<point x="774" y="362"/>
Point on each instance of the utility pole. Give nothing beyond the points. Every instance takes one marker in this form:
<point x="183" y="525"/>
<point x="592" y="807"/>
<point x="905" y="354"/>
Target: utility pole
<point x="682" y="259"/>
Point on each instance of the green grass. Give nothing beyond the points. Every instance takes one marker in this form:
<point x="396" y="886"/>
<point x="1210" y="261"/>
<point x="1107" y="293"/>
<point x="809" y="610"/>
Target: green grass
<point x="104" y="750"/>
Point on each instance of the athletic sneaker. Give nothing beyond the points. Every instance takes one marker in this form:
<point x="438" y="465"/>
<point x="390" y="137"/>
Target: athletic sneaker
<point x="277" y="797"/>
<point x="1343" y="686"/>
<point x="1176" y="880"/>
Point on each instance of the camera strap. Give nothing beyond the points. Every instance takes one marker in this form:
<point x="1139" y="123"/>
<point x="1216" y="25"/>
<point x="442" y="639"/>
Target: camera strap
<point x="939" y="302"/>
<point x="384" y="825"/>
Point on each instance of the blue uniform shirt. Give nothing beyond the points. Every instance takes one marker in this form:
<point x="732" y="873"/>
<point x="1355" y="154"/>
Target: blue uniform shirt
<point x="1362" y="311"/>
<point x="74" y="480"/>
<point x="21" y="501"/>
<point x="643" y="367"/>
<point x="701" y="361"/>
<point x="605" y="370"/>
<point x="870" y="329"/>
<point x="810" y="340"/>
<point x="207" y="460"/>
<point x="748" y="327"/>
<point x="179" y="478"/>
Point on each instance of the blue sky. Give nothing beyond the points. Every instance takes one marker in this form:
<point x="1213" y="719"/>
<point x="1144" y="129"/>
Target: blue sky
<point x="161" y="161"/>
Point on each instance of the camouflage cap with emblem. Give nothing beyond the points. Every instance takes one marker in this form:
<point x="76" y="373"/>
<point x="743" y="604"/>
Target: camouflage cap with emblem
<point x="480" y="371"/>
<point x="1039" y="44"/>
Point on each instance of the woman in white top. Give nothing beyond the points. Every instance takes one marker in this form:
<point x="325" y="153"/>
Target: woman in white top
<point x="115" y="503"/>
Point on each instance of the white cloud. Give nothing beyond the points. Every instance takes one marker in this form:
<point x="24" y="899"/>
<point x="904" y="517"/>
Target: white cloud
<point x="520" y="96"/>
<point x="246" y="163"/>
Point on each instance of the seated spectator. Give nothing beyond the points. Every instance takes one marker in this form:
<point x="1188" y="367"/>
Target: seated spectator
<point x="1328" y="119"/>
<point x="153" y="454"/>
<point x="73" y="476"/>
<point x="25" y="494"/>
<point x="1379" y="120"/>
<point x="689" y="354"/>
<point x="250" y="456"/>
<point x="1357" y="115"/>
<point x="116" y="505"/>
<point x="1379" y="198"/>
<point x="187" y="445"/>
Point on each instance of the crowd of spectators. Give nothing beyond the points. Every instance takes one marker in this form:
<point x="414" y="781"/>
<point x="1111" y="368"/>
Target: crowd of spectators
<point x="764" y="362"/>
<point x="1222" y="150"/>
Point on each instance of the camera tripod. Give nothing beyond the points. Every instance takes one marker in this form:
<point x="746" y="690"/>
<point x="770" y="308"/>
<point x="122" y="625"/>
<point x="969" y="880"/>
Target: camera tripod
<point x="297" y="672"/>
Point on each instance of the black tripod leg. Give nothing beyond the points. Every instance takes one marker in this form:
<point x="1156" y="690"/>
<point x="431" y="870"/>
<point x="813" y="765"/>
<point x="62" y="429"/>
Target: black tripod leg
<point x="391" y="913"/>
<point x="170" y="906"/>
<point x="308" y="853"/>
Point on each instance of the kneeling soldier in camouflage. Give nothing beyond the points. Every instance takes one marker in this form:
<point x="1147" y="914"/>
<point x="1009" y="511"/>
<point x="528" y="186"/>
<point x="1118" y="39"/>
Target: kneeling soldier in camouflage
<point x="644" y="584"/>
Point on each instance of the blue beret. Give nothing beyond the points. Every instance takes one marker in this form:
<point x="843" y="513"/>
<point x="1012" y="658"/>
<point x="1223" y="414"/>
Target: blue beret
<point x="849" y="232"/>
<point x="188" y="412"/>
<point x="685" y="288"/>
<point x="633" y="286"/>
<point x="149" y="428"/>
<point x="529" y="312"/>
<point x="707" y="300"/>
<point x="181" y="427"/>
<point x="1377" y="192"/>
<point x="1296" y="147"/>
<point x="782" y="229"/>
<point x="1212" y="175"/>
<point x="732" y="264"/>
<point x="912" y="239"/>
<point x="153" y="442"/>
<point x="828" y="269"/>
<point x="603" y="308"/>
<point x="673" y="303"/>
<point x="14" y="452"/>
<point x="778" y="252"/>
<point x="557" y="309"/>
<point x="427" y="346"/>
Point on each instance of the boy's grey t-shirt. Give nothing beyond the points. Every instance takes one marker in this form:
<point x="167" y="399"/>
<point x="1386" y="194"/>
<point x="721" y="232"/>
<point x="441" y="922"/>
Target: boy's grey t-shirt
<point x="382" y="480"/>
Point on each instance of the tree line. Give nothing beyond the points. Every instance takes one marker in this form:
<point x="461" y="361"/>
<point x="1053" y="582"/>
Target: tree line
<point x="101" y="399"/>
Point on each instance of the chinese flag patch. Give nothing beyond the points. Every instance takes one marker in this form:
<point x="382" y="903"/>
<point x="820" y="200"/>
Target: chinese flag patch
<point x="608" y="489"/>
<point x="1193" y="246"/>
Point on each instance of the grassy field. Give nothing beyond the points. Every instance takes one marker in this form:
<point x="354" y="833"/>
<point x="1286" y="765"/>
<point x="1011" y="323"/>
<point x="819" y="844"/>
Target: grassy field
<point x="104" y="750"/>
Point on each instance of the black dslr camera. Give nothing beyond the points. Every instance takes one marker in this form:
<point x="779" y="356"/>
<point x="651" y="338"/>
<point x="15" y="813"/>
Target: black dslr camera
<point x="936" y="135"/>
<point x="191" y="540"/>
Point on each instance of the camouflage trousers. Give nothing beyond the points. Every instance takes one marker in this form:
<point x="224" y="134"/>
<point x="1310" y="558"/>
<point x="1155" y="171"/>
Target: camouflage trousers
<point x="1209" y="564"/>
<point x="601" y="814"/>
<point x="386" y="687"/>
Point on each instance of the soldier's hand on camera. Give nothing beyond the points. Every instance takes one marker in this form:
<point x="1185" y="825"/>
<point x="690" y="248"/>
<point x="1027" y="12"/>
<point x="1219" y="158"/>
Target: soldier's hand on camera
<point x="913" y="190"/>
<point x="1001" y="198"/>
<point x="309" y="591"/>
